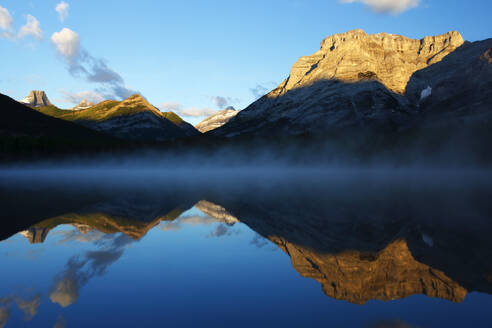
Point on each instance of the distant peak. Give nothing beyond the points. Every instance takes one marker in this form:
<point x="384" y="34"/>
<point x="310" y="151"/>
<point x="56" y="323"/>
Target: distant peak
<point x="84" y="104"/>
<point x="229" y="108"/>
<point x="36" y="98"/>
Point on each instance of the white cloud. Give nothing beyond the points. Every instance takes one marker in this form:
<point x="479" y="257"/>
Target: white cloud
<point x="77" y="97"/>
<point x="31" y="28"/>
<point x="219" y="101"/>
<point x="67" y="43"/>
<point x="82" y="64"/>
<point x="394" y="7"/>
<point x="5" y="23"/>
<point x="190" y="111"/>
<point x="171" y="106"/>
<point x="62" y="10"/>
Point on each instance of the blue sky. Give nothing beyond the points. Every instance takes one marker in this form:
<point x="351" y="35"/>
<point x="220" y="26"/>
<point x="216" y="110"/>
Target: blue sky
<point x="195" y="57"/>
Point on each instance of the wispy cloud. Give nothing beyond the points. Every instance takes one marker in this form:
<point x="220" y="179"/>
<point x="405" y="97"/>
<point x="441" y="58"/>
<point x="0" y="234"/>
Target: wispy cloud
<point x="258" y="91"/>
<point x="223" y="102"/>
<point x="6" y="23"/>
<point x="62" y="10"/>
<point x="189" y="112"/>
<point x="393" y="7"/>
<point x="29" y="307"/>
<point x="259" y="241"/>
<point x="186" y="220"/>
<point x="80" y="269"/>
<point x="262" y="89"/>
<point x="31" y="28"/>
<point x="81" y="63"/>
<point x="75" y="235"/>
<point x="223" y="230"/>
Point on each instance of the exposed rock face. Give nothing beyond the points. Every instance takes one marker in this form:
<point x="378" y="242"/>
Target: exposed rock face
<point x="84" y="104"/>
<point x="355" y="56"/>
<point x="36" y="99"/>
<point x="354" y="80"/>
<point x="216" y="120"/>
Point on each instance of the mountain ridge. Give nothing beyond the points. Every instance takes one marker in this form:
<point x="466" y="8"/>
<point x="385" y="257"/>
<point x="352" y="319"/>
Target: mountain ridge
<point x="133" y="118"/>
<point x="355" y="80"/>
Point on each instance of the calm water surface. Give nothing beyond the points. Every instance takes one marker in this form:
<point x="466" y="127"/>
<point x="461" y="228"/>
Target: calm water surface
<point x="293" y="250"/>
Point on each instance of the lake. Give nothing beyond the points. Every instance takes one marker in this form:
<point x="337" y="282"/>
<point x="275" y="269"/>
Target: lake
<point x="245" y="248"/>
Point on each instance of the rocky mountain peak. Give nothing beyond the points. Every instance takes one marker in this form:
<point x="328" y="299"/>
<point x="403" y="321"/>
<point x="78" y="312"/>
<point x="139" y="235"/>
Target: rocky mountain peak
<point x="139" y="103"/>
<point x="36" y="98"/>
<point x="216" y="120"/>
<point x="389" y="58"/>
<point x="84" y="104"/>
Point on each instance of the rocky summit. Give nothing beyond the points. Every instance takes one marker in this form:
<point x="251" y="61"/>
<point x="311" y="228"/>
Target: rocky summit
<point x="36" y="99"/>
<point x="354" y="80"/>
<point x="355" y="56"/>
<point x="84" y="104"/>
<point x="216" y="120"/>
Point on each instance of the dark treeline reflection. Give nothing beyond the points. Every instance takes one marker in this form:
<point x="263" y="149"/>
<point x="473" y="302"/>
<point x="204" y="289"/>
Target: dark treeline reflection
<point x="362" y="234"/>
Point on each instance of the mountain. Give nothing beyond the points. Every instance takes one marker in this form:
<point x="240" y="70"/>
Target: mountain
<point x="363" y="245"/>
<point x="36" y="99"/>
<point x="457" y="88"/>
<point x="216" y="120"/>
<point x="24" y="129"/>
<point x="354" y="80"/>
<point x="84" y="104"/>
<point x="133" y="118"/>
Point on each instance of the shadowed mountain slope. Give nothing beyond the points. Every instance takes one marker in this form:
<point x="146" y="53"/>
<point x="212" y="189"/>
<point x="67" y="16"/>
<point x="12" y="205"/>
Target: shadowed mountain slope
<point x="22" y="129"/>
<point x="459" y="88"/>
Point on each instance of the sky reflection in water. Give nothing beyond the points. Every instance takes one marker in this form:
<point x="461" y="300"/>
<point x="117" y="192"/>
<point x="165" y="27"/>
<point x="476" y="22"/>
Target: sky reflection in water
<point x="222" y="257"/>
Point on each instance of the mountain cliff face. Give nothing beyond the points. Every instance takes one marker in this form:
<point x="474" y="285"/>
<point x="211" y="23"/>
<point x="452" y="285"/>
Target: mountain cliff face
<point x="36" y="99"/>
<point x="216" y="120"/>
<point x="133" y="118"/>
<point x="354" y="80"/>
<point x="355" y="55"/>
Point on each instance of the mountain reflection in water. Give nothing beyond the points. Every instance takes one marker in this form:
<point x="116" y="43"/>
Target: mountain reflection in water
<point x="360" y="238"/>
